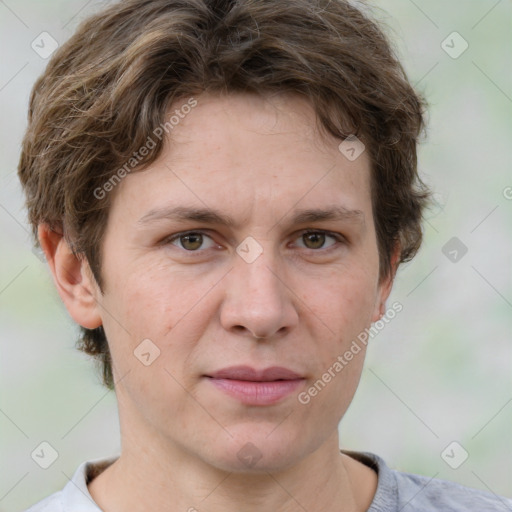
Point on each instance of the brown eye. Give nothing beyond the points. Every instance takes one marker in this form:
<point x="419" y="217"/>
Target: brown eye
<point x="314" y="240"/>
<point x="191" y="241"/>
<point x="319" y="240"/>
<point x="188" y="242"/>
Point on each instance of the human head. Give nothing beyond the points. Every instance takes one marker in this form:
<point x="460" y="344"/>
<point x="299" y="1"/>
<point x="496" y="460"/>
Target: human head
<point x="111" y="85"/>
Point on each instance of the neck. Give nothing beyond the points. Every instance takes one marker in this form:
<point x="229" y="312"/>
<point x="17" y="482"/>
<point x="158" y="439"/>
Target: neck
<point x="143" y="479"/>
<point x="155" y="473"/>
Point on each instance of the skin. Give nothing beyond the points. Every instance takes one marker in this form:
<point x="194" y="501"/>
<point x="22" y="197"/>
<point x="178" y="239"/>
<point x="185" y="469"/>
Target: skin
<point x="299" y="305"/>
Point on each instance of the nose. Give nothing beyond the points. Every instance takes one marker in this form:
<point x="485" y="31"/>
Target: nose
<point x="258" y="302"/>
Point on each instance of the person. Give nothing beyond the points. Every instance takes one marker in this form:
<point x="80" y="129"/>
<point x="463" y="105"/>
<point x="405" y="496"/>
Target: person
<point x="224" y="191"/>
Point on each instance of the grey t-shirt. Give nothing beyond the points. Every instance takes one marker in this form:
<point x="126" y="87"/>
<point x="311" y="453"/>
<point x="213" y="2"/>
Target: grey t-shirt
<point x="396" y="492"/>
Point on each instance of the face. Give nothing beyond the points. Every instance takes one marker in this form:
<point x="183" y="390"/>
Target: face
<point x="237" y="269"/>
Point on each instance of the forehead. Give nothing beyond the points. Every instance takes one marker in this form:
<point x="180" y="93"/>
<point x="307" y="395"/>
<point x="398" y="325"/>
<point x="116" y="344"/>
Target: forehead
<point x="249" y="152"/>
<point x="230" y="123"/>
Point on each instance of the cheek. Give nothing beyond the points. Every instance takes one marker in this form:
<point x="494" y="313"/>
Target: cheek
<point x="168" y="307"/>
<point x="155" y="305"/>
<point x="345" y="303"/>
<point x="345" y="307"/>
<point x="150" y="297"/>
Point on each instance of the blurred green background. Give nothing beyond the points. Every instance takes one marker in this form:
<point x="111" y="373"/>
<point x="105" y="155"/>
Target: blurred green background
<point x="439" y="372"/>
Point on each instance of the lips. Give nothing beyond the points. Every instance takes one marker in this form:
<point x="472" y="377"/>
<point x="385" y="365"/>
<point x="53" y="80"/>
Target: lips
<point x="256" y="387"/>
<point x="250" y="374"/>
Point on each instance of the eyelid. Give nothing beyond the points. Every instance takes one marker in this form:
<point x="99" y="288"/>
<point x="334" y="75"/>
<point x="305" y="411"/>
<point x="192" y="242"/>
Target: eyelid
<point x="171" y="238"/>
<point x="205" y="232"/>
<point x="337" y="236"/>
<point x="324" y="231"/>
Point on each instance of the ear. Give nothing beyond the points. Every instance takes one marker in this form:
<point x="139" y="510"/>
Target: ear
<point x="72" y="277"/>
<point x="386" y="285"/>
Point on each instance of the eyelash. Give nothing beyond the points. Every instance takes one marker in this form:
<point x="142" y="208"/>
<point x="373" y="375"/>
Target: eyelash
<point x="340" y="239"/>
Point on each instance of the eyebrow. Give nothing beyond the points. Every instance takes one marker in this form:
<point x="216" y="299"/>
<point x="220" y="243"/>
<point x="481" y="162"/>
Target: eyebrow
<point x="339" y="213"/>
<point x="212" y="216"/>
<point x="206" y="215"/>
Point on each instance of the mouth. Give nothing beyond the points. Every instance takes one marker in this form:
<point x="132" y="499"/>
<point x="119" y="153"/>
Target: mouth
<point x="256" y="387"/>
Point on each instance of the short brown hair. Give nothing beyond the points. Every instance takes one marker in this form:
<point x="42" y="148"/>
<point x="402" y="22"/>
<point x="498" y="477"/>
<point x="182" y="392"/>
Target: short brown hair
<point x="107" y="88"/>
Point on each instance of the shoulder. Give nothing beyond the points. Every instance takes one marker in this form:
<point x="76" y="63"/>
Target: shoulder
<point x="52" y="503"/>
<point x="417" y="492"/>
<point x="407" y="492"/>
<point x="75" y="496"/>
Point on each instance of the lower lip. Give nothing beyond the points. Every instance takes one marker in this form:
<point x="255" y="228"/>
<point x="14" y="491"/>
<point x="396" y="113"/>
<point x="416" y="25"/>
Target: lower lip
<point x="257" y="393"/>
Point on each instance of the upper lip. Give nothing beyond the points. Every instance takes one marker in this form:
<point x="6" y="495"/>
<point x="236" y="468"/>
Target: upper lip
<point x="250" y="374"/>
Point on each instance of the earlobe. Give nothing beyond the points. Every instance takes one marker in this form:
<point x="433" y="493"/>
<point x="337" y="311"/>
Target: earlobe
<point x="386" y="285"/>
<point x="72" y="277"/>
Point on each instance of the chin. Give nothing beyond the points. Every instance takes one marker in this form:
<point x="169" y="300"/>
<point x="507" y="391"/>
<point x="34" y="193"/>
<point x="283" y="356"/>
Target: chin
<point x="259" y="450"/>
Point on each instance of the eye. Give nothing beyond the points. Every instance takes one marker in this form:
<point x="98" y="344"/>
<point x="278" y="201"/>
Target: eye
<point x="317" y="239"/>
<point x="191" y="241"/>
